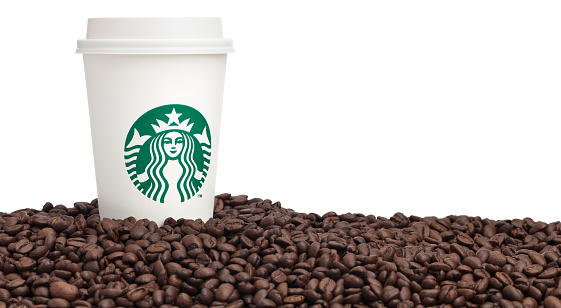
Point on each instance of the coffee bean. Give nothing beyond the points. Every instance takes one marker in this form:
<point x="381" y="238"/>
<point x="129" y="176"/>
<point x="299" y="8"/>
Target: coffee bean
<point x="278" y="277"/>
<point x="353" y="281"/>
<point x="159" y="297"/>
<point x="107" y="303"/>
<point x="64" y="290"/>
<point x="533" y="270"/>
<point x="256" y="253"/>
<point x="112" y="293"/>
<point x="512" y="293"/>
<point x="137" y="294"/>
<point x="24" y="246"/>
<point x="58" y="303"/>
<point x="473" y="262"/>
<point x="439" y="266"/>
<point x="552" y="302"/>
<point x="503" y="278"/>
<point x="294" y="300"/>
<point x="389" y="293"/>
<point x="204" y="272"/>
<point x="138" y="231"/>
<point x="205" y="296"/>
<point x="233" y="225"/>
<point x="497" y="258"/>
<point x="224" y="292"/>
<point x="236" y="304"/>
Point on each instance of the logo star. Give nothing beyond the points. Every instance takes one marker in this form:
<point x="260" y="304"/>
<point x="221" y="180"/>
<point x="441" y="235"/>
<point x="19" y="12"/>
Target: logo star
<point x="173" y="117"/>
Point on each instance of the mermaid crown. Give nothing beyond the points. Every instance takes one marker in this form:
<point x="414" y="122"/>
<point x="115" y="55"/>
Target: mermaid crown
<point x="172" y="124"/>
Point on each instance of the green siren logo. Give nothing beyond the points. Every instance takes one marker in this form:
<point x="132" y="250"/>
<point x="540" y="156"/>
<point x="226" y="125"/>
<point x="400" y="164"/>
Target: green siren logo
<point x="167" y="153"/>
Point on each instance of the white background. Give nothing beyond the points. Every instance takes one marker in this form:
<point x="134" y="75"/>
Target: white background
<point x="422" y="107"/>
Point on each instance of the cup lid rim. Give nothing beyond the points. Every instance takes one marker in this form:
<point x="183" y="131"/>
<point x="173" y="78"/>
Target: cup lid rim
<point x="155" y="46"/>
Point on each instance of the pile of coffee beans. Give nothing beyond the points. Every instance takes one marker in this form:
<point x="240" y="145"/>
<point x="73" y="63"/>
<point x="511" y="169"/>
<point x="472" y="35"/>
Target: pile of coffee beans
<point x="254" y="253"/>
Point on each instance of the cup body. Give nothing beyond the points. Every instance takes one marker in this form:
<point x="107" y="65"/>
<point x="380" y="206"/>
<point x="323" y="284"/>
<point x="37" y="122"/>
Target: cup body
<point x="155" y="126"/>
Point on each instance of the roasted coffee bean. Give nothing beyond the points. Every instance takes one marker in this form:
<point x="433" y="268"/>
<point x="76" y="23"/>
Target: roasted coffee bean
<point x="439" y="266"/>
<point x="64" y="290"/>
<point x="204" y="272"/>
<point x="224" y="292"/>
<point x="278" y="277"/>
<point x="552" y="302"/>
<point x="512" y="293"/>
<point x="234" y="225"/>
<point x="137" y="294"/>
<point x="24" y="246"/>
<point x="107" y="303"/>
<point x="183" y="300"/>
<point x="533" y="270"/>
<point x="294" y="300"/>
<point x="58" y="303"/>
<point x="112" y="293"/>
<point x="256" y="253"/>
<point x="205" y="296"/>
<point x="497" y="258"/>
<point x="138" y="231"/>
<point x="473" y="262"/>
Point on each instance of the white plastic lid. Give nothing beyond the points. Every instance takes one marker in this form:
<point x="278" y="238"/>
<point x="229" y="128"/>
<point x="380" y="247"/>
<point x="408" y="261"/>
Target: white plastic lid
<point x="185" y="35"/>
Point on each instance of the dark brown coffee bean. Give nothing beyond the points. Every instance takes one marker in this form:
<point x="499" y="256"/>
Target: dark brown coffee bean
<point x="497" y="258"/>
<point x="159" y="297"/>
<point x="549" y="273"/>
<point x="429" y="293"/>
<point x="64" y="290"/>
<point x="327" y="285"/>
<point x="204" y="272"/>
<point x="39" y="252"/>
<point x="138" y="231"/>
<point x="137" y="294"/>
<point x="353" y="281"/>
<point x="112" y="293"/>
<point x="107" y="303"/>
<point x="533" y="270"/>
<point x="20" y="291"/>
<point x="512" y="293"/>
<point x="294" y="300"/>
<point x="16" y="283"/>
<point x="226" y="247"/>
<point x="503" y="278"/>
<point x="205" y="297"/>
<point x="58" y="303"/>
<point x="256" y="253"/>
<point x="278" y="277"/>
<point x="236" y="304"/>
<point x="552" y="302"/>
<point x="5" y="239"/>
<point x="481" y="285"/>
<point x="439" y="266"/>
<point x="4" y="295"/>
<point x="210" y="242"/>
<point x="145" y="278"/>
<point x="464" y="239"/>
<point x="224" y="291"/>
<point x="242" y="277"/>
<point x="233" y="225"/>
<point x="390" y="293"/>
<point x="171" y="293"/>
<point x="158" y="247"/>
<point x="473" y="262"/>
<point x="24" y="246"/>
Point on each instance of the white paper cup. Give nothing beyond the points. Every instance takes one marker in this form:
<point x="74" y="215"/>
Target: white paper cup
<point x="155" y="90"/>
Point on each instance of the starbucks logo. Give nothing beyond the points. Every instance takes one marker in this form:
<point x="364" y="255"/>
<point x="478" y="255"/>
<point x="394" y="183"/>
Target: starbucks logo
<point x="167" y="153"/>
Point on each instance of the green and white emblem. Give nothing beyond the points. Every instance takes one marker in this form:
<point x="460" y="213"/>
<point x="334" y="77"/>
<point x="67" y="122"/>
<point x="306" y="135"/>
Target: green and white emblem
<point x="167" y="153"/>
